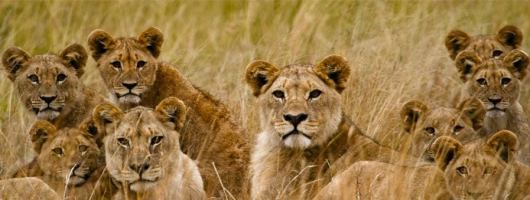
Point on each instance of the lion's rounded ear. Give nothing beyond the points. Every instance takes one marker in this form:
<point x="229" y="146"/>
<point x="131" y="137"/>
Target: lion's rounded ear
<point x="14" y="60"/>
<point x="466" y="63"/>
<point x="517" y="62"/>
<point x="334" y="70"/>
<point x="40" y="132"/>
<point x="474" y="110"/>
<point x="152" y="38"/>
<point x="510" y="36"/>
<point x="456" y="41"/>
<point x="75" y="56"/>
<point x="445" y="150"/>
<point x="260" y="75"/>
<point x="106" y="114"/>
<point x="90" y="129"/>
<point x="410" y="114"/>
<point x="505" y="144"/>
<point x="100" y="42"/>
<point x="172" y="112"/>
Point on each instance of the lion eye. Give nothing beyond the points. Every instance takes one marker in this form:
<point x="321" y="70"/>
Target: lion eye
<point x="461" y="170"/>
<point x="83" y="148"/>
<point x="34" y="79"/>
<point x="156" y="140"/>
<point x="314" y="94"/>
<point x="496" y="53"/>
<point x="506" y="81"/>
<point x="482" y="81"/>
<point x="430" y="131"/>
<point x="116" y="64"/>
<point x="61" y="78"/>
<point x="278" y="94"/>
<point x="123" y="141"/>
<point x="457" y="128"/>
<point x="58" y="151"/>
<point x="140" y="64"/>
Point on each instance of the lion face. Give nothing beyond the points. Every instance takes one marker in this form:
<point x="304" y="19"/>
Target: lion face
<point x="491" y="46"/>
<point x="128" y="65"/>
<point x="46" y="84"/>
<point x="300" y="104"/>
<point x="425" y="125"/>
<point x="474" y="171"/>
<point x="70" y="155"/>
<point x="495" y="82"/>
<point x="141" y="144"/>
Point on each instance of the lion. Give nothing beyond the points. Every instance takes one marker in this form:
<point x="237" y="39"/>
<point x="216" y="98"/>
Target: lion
<point x="486" y="46"/>
<point x="423" y="125"/>
<point x="304" y="130"/>
<point x="497" y="84"/>
<point x="143" y="154"/>
<point x="69" y="161"/>
<point x="134" y="77"/>
<point x="26" y="188"/>
<point x="485" y="169"/>
<point x="49" y="85"/>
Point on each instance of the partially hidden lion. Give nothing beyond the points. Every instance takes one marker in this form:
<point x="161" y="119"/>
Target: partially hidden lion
<point x="497" y="84"/>
<point x="422" y="125"/>
<point x="143" y="154"/>
<point x="304" y="131"/>
<point x="69" y="161"/>
<point x="134" y="77"/>
<point x="49" y="85"/>
<point x="485" y="169"/>
<point x="27" y="188"/>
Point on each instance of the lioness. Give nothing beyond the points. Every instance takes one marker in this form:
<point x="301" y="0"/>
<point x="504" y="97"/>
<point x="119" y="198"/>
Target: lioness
<point x="497" y="83"/>
<point x="304" y="130"/>
<point x="48" y="85"/>
<point x="143" y="155"/>
<point x="483" y="170"/>
<point x="134" y="76"/>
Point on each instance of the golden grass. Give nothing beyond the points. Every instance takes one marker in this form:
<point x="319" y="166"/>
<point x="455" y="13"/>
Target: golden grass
<point x="395" y="48"/>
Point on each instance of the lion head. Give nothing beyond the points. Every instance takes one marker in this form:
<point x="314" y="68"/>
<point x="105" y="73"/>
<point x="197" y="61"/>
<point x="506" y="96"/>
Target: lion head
<point x="477" y="170"/>
<point x="142" y="144"/>
<point x="47" y="84"/>
<point x="69" y="154"/>
<point x="424" y="124"/>
<point x="300" y="105"/>
<point x="128" y="65"/>
<point x="491" y="46"/>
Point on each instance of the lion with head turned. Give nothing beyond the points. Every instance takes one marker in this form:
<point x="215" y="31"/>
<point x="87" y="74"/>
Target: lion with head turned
<point x="304" y="132"/>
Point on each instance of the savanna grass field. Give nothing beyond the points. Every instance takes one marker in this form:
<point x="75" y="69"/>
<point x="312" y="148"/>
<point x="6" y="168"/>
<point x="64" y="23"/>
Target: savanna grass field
<point x="395" y="49"/>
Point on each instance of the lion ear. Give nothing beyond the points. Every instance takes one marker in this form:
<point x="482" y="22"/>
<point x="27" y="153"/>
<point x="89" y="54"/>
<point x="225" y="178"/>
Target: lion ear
<point x="172" y="112"/>
<point x="152" y="38"/>
<point x="40" y="132"/>
<point x="411" y="112"/>
<point x="505" y="144"/>
<point x="14" y="60"/>
<point x="335" y="71"/>
<point x="474" y="110"/>
<point x="260" y="75"/>
<point x="100" y="42"/>
<point x="75" y="56"/>
<point x="105" y="116"/>
<point x="445" y="150"/>
<point x="456" y="41"/>
<point x="466" y="63"/>
<point x="517" y="62"/>
<point x="510" y="36"/>
<point x="90" y="129"/>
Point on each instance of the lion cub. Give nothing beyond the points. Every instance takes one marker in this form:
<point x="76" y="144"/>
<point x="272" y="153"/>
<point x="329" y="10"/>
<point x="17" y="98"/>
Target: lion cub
<point x="49" y="85"/>
<point x="143" y="154"/>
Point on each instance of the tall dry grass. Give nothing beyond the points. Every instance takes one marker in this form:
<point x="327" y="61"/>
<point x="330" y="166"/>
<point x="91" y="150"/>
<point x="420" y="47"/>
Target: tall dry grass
<point x="395" y="48"/>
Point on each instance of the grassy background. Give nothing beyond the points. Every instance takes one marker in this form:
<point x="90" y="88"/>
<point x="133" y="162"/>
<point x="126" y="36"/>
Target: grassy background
<point x="395" y="48"/>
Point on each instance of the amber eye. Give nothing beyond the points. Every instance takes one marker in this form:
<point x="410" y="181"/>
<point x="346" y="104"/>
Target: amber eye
<point x="34" y="79"/>
<point x="140" y="64"/>
<point x="430" y="130"/>
<point x="123" y="141"/>
<point x="457" y="128"/>
<point x="461" y="170"/>
<point x="482" y="81"/>
<point x="314" y="94"/>
<point x="61" y="78"/>
<point x="116" y="64"/>
<point x="496" y="53"/>
<point x="156" y="140"/>
<point x="278" y="94"/>
<point x="58" y="151"/>
<point x="506" y="81"/>
<point x="83" y="148"/>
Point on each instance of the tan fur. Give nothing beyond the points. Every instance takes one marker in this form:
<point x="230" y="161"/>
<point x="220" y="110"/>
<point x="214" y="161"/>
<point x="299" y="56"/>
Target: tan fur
<point x="423" y="124"/>
<point x="486" y="46"/>
<point x="39" y="77"/>
<point x="69" y="161"/>
<point x="483" y="169"/>
<point x="304" y="133"/>
<point x="143" y="155"/>
<point x="26" y="188"/>
<point x="498" y="79"/>
<point x="210" y="136"/>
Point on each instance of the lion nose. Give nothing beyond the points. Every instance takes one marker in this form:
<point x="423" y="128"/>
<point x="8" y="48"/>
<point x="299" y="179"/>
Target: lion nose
<point x="129" y="86"/>
<point x="494" y="100"/>
<point x="48" y="99"/>
<point x="139" y="167"/>
<point x="295" y="119"/>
